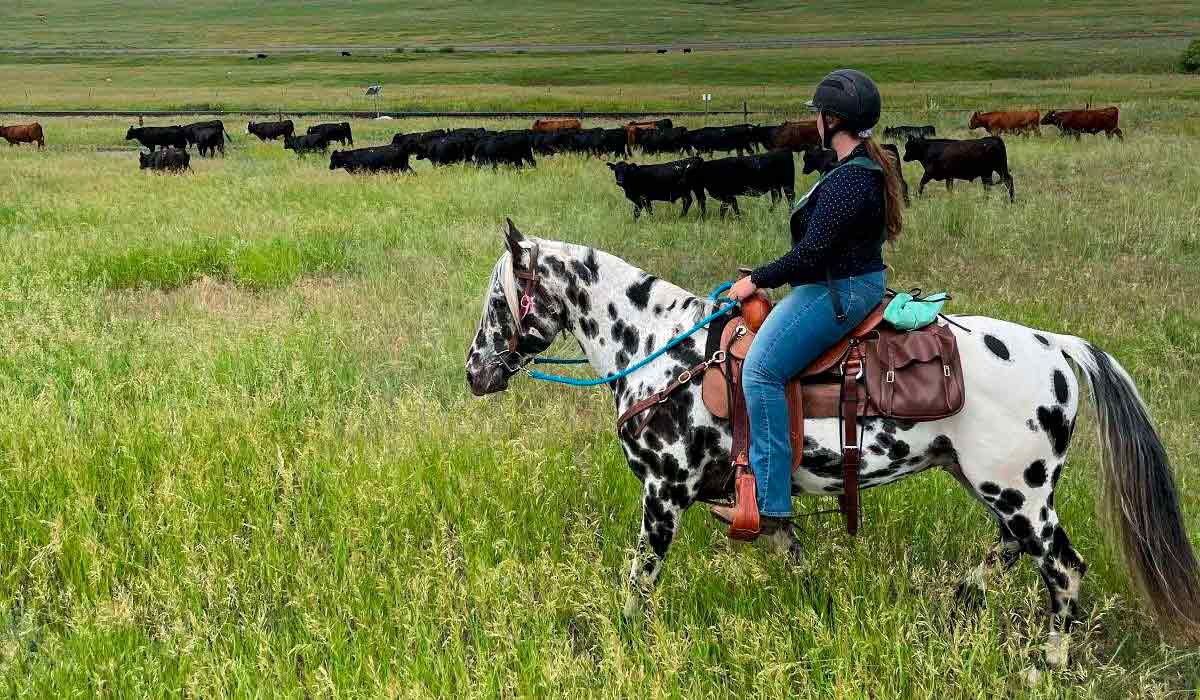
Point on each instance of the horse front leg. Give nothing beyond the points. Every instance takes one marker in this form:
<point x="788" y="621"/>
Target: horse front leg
<point x="661" y="515"/>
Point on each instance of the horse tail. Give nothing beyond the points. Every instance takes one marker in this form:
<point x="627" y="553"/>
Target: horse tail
<point x="1139" y="501"/>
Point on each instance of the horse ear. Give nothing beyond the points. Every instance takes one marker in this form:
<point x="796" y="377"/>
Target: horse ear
<point x="514" y="237"/>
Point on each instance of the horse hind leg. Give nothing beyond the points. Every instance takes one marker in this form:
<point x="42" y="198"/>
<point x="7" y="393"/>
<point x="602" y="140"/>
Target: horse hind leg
<point x="1024" y="505"/>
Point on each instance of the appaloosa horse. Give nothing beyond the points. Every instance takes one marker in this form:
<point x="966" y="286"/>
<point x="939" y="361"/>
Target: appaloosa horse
<point x="1007" y="446"/>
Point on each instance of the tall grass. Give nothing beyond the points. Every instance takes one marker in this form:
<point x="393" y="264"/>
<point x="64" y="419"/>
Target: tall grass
<point x="238" y="456"/>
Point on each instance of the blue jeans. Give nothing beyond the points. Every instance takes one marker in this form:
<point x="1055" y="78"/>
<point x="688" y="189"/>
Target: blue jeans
<point x="800" y="328"/>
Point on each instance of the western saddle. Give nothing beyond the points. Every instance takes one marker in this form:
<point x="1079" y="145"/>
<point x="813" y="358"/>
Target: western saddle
<point x="875" y="370"/>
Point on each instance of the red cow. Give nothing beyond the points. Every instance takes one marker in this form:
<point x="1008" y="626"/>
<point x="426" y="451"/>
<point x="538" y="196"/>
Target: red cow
<point x="1007" y="122"/>
<point x="23" y="133"/>
<point x="547" y="125"/>
<point x="1073" y="122"/>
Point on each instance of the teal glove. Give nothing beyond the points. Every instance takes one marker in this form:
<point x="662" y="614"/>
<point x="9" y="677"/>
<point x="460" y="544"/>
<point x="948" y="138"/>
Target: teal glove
<point x="907" y="313"/>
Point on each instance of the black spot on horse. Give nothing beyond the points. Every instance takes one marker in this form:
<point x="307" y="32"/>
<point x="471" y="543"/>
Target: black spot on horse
<point x="989" y="488"/>
<point x="1042" y="339"/>
<point x="1010" y="501"/>
<point x="997" y="347"/>
<point x="876" y="449"/>
<point x="941" y="451"/>
<point x="639" y="292"/>
<point x="823" y="462"/>
<point x="626" y="335"/>
<point x="1054" y="423"/>
<point x="589" y="327"/>
<point x="1047" y="530"/>
<point x="885" y="440"/>
<point x="899" y="450"/>
<point x="1061" y="391"/>
<point x="1020" y="527"/>
<point x="653" y="441"/>
<point x="1035" y="474"/>
<point x="705" y="443"/>
<point x="685" y="353"/>
<point x="1044" y="514"/>
<point x="658" y="309"/>
<point x="622" y="359"/>
<point x="583" y="273"/>
<point x="1033" y="427"/>
<point x="1061" y="549"/>
<point x="612" y="311"/>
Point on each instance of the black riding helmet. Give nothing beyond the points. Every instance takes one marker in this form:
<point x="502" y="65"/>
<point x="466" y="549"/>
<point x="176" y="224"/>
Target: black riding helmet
<point x="851" y="95"/>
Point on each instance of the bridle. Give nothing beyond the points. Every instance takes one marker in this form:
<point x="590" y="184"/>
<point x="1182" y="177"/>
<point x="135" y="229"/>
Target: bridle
<point x="522" y="282"/>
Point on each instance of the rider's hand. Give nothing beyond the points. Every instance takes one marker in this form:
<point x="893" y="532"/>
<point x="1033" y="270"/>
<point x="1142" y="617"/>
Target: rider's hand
<point x="742" y="289"/>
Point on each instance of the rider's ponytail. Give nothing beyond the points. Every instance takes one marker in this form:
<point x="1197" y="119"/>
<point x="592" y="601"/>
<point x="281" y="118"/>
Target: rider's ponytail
<point x="891" y="182"/>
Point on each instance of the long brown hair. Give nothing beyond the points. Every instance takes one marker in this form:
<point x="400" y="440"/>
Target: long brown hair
<point x="894" y="211"/>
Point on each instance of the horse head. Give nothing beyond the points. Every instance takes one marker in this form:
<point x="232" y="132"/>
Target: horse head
<point x="521" y="316"/>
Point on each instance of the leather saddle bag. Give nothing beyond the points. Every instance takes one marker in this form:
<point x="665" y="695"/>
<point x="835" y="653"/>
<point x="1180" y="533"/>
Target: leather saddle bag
<point x="915" y="375"/>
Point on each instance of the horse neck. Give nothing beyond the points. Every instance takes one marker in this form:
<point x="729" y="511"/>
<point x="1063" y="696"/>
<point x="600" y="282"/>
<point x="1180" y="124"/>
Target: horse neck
<point x="618" y="313"/>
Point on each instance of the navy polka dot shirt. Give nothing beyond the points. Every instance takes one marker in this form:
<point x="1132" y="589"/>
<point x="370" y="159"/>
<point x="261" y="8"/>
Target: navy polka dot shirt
<point x="841" y="231"/>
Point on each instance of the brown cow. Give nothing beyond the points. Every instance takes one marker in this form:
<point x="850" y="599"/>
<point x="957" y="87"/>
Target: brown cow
<point x="1073" y="122"/>
<point x="632" y="129"/>
<point x="797" y="136"/>
<point x="23" y="133"/>
<point x="1021" y="122"/>
<point x="548" y="125"/>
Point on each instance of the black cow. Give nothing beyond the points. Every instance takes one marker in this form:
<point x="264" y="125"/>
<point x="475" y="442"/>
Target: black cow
<point x="269" y="131"/>
<point x="711" y="139"/>
<point x="822" y="160"/>
<point x="950" y="160"/>
<point x="448" y="149"/>
<point x="305" y="144"/>
<point x="371" y="160"/>
<point x="169" y="159"/>
<point x="208" y="140"/>
<point x="905" y="132"/>
<point x="513" y="147"/>
<point x="333" y="132"/>
<point x="600" y="142"/>
<point x="726" y="179"/>
<point x="665" y="140"/>
<point x="158" y="136"/>
<point x="548" y="143"/>
<point x="203" y="130"/>
<point x="664" y="183"/>
<point x="416" y="142"/>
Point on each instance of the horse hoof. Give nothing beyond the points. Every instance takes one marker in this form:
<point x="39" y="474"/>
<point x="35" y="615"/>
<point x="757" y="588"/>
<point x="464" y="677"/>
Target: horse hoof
<point x="1056" y="649"/>
<point x="633" y="606"/>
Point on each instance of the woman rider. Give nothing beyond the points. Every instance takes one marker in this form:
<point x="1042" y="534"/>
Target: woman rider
<point x="836" y="271"/>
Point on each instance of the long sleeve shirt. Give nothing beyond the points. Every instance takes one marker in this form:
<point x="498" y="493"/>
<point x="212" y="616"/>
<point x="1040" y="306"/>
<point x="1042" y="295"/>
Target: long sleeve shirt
<point x="842" y="231"/>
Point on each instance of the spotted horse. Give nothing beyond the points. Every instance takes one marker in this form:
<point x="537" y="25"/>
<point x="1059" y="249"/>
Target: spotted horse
<point x="1007" y="446"/>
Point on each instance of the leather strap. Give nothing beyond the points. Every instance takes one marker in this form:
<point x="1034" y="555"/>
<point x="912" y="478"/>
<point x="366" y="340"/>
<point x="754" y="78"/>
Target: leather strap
<point x="852" y="370"/>
<point x="531" y="279"/>
<point x="746" y="525"/>
<point x="651" y="402"/>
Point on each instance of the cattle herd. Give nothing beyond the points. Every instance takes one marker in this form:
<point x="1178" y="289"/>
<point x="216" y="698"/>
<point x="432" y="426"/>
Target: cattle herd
<point x="747" y="172"/>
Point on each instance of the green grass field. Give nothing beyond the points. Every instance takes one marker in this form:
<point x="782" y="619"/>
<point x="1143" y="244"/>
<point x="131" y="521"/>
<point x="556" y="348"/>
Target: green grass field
<point x="220" y="23"/>
<point x="239" y="457"/>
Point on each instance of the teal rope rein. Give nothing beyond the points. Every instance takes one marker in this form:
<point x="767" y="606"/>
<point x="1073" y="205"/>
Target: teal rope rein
<point x="715" y="295"/>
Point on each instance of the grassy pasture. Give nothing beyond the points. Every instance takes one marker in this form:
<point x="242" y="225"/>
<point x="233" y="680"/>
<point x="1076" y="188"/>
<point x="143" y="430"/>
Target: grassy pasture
<point x="220" y="23"/>
<point x="1048" y="73"/>
<point x="239" y="458"/>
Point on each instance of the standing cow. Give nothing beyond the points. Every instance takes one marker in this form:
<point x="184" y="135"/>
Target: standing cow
<point x="153" y="137"/>
<point x="950" y="160"/>
<point x="23" y="133"/>
<point x="1073" y="122"/>
<point x="269" y="131"/>
<point x="547" y="125"/>
<point x="1022" y="122"/>
<point x="339" y="132"/>
<point x="665" y="182"/>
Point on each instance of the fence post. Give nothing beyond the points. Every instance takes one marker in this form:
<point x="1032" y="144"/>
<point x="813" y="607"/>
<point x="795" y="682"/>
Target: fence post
<point x="745" y="112"/>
